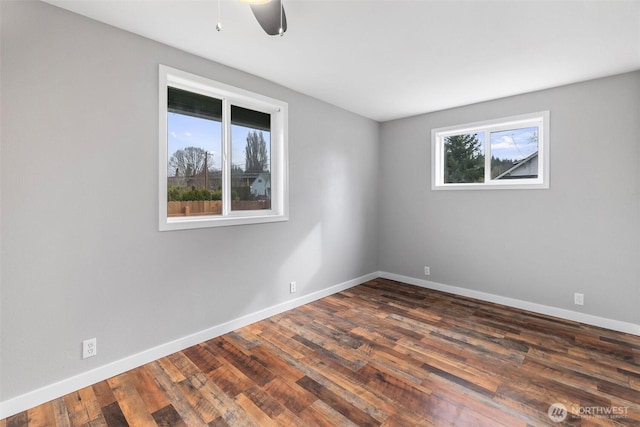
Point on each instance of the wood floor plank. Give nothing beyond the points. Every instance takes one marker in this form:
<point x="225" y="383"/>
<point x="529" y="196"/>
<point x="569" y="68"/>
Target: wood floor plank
<point x="290" y="395"/>
<point x="322" y="414"/>
<point x="42" y="416"/>
<point x="61" y="413"/>
<point x="267" y="404"/>
<point x="80" y="408"/>
<point x="113" y="415"/>
<point x="355" y="415"/>
<point x="247" y="365"/>
<point x="230" y="411"/>
<point x="21" y="419"/>
<point x="170" y="370"/>
<point x="275" y="365"/>
<point x="288" y="419"/>
<point x="230" y="380"/>
<point x="255" y="412"/>
<point x="167" y="377"/>
<point x="405" y="395"/>
<point x="205" y="410"/>
<point x="104" y="394"/>
<point x="202" y="358"/>
<point x="169" y="417"/>
<point x="131" y="404"/>
<point x="354" y="391"/>
<point x="148" y="389"/>
<point x="442" y="388"/>
<point x="341" y="381"/>
<point x="313" y="417"/>
<point x="474" y="375"/>
<point x="380" y="354"/>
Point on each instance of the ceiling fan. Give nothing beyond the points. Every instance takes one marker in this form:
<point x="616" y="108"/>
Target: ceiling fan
<point x="270" y="15"/>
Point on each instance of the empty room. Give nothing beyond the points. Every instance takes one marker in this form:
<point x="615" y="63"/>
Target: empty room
<point x="319" y="213"/>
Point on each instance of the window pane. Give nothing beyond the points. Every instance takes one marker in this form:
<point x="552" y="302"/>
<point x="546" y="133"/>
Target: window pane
<point x="194" y="147"/>
<point x="514" y="153"/>
<point x="464" y="158"/>
<point x="250" y="159"/>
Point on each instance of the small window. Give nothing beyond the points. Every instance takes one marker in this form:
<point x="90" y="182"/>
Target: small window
<point x="223" y="154"/>
<point x="507" y="153"/>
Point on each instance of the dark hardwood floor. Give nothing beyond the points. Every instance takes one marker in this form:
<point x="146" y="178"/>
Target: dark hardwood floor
<point x="382" y="353"/>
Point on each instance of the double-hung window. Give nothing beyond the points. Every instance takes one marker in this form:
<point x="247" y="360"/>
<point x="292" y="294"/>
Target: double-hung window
<point x="223" y="154"/>
<point x="511" y="152"/>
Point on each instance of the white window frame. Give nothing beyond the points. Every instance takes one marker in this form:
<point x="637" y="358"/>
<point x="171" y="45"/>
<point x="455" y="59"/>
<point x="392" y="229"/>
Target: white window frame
<point x="540" y="119"/>
<point x="230" y="95"/>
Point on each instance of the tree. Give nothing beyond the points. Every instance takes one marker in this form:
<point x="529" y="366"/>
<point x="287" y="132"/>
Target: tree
<point x="499" y="166"/>
<point x="187" y="162"/>
<point x="256" y="159"/>
<point x="464" y="161"/>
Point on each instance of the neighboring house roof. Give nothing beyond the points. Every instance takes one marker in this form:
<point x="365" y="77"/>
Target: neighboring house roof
<point x="261" y="186"/>
<point x="265" y="177"/>
<point x="516" y="170"/>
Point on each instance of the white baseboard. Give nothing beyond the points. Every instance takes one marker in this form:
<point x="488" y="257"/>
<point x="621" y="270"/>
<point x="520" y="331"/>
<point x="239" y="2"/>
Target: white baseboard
<point x="603" y="322"/>
<point x="37" y="397"/>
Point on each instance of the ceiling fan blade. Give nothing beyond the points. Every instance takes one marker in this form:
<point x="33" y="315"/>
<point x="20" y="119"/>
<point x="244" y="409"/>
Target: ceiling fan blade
<point x="270" y="16"/>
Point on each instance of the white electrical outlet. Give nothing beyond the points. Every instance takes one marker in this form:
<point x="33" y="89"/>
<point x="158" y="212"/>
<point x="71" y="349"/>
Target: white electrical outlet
<point x="293" y="287"/>
<point x="89" y="348"/>
<point x="427" y="271"/>
<point x="578" y="299"/>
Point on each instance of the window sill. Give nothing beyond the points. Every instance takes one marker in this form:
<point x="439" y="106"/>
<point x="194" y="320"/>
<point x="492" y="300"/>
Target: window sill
<point x="188" y="223"/>
<point x="493" y="186"/>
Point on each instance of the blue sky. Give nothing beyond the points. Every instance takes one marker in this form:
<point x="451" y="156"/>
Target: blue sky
<point x="188" y="131"/>
<point x="514" y="144"/>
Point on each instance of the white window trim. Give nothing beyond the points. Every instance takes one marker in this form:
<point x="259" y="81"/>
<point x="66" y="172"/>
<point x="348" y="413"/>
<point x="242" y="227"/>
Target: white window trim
<point x="540" y="119"/>
<point x="279" y="151"/>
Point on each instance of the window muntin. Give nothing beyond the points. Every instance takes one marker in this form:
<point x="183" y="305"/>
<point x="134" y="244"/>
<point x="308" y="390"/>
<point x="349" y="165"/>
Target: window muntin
<point x="504" y="153"/>
<point x="208" y="133"/>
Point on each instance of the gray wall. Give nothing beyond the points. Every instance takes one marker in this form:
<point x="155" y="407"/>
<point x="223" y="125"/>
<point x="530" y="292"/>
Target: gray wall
<point x="81" y="253"/>
<point x="541" y="246"/>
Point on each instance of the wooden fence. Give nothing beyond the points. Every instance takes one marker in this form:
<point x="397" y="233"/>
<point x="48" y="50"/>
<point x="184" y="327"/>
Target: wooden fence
<point x="212" y="207"/>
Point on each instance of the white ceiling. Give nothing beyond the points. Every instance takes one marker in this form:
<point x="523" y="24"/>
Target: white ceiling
<point x="392" y="59"/>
